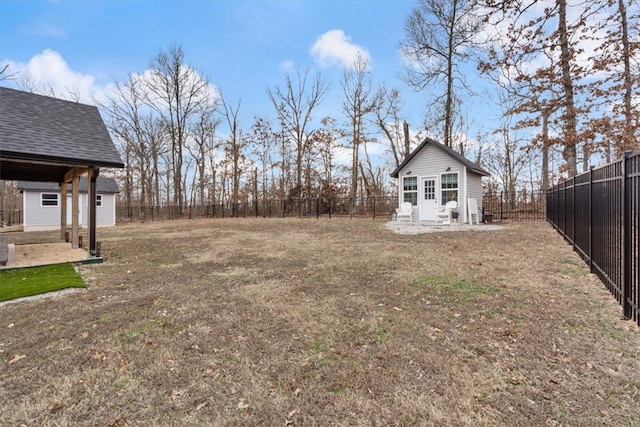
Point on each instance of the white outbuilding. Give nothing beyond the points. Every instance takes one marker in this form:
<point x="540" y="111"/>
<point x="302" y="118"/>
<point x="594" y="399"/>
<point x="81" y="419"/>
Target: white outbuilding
<point x="41" y="204"/>
<point x="433" y="175"/>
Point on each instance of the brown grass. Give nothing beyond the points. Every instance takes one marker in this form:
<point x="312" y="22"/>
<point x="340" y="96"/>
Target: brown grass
<point x="316" y="323"/>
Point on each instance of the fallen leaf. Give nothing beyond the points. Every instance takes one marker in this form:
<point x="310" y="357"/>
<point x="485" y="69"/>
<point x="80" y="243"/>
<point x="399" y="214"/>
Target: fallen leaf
<point x="56" y="407"/>
<point x="17" y="358"/>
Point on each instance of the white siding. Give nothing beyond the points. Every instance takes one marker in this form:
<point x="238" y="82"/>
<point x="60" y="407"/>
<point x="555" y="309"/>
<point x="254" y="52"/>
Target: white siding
<point x="106" y="214"/>
<point x="432" y="161"/>
<point x="37" y="217"/>
<point x="475" y="188"/>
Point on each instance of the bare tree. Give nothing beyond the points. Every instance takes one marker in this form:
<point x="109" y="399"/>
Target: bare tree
<point x="617" y="116"/>
<point x="395" y="130"/>
<point x="6" y="74"/>
<point x="263" y="139"/>
<point x="359" y="101"/>
<point x="234" y="147"/>
<point x="202" y="145"/>
<point x="294" y="105"/>
<point x="440" y="37"/>
<point x="128" y="120"/>
<point x="178" y="94"/>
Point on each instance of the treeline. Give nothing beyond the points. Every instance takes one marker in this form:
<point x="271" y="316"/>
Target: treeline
<point x="564" y="75"/>
<point x="183" y="143"/>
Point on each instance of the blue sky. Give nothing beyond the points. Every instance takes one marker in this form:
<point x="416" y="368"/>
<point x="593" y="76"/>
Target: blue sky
<point x="243" y="47"/>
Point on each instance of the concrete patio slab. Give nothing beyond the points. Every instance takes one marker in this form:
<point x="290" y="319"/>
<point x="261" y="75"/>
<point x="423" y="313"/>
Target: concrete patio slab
<point x="421" y="227"/>
<point x="43" y="254"/>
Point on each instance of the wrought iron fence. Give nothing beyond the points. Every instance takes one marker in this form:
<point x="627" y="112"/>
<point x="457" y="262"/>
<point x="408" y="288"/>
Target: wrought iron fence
<point x="523" y="205"/>
<point x="598" y="212"/>
<point x="503" y="206"/>
<point x="371" y="207"/>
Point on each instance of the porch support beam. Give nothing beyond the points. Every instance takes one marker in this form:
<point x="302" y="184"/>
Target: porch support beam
<point x="91" y="196"/>
<point x="75" y="204"/>
<point x="63" y="211"/>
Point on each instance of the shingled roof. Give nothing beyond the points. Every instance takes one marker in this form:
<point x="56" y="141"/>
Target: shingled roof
<point x="103" y="185"/>
<point x="471" y="167"/>
<point x="41" y="137"/>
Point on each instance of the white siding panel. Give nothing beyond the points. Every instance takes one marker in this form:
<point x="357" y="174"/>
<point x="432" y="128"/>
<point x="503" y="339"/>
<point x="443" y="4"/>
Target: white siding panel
<point x="105" y="213"/>
<point x="37" y="217"/>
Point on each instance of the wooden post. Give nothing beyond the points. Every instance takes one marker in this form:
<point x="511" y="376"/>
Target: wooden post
<point x="63" y="211"/>
<point x="91" y="196"/>
<point x="75" y="204"/>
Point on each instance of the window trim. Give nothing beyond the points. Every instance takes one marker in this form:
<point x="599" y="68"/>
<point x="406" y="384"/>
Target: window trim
<point x="49" y="205"/>
<point x="99" y="200"/>
<point x="443" y="199"/>
<point x="414" y="192"/>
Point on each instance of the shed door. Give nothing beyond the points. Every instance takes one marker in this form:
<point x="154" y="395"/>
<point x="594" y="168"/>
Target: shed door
<point x="70" y="210"/>
<point x="428" y="200"/>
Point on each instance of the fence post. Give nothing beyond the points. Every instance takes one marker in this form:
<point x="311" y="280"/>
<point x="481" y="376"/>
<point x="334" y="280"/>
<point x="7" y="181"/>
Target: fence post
<point x="591" y="219"/>
<point x="627" y="261"/>
<point x="573" y="212"/>
<point x="317" y="207"/>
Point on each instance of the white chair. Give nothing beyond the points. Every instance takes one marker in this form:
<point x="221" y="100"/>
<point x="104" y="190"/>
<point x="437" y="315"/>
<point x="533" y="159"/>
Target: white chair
<point x="444" y="213"/>
<point x="472" y="209"/>
<point x="404" y="210"/>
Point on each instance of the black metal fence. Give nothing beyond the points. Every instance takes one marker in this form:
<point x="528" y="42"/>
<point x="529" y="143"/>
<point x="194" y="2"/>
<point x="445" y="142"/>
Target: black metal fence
<point x="371" y="207"/>
<point x="598" y="212"/>
<point x="522" y="205"/>
<point x="503" y="206"/>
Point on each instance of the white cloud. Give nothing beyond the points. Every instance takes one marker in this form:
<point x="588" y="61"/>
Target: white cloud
<point x="49" y="73"/>
<point x="335" y="48"/>
<point x="287" y="65"/>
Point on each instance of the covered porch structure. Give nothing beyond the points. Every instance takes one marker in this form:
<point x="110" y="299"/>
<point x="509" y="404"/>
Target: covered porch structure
<point x="53" y="140"/>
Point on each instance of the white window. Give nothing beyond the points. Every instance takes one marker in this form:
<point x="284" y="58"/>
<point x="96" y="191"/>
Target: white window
<point x="410" y="190"/>
<point x="98" y="200"/>
<point x="49" y="199"/>
<point x="449" y="186"/>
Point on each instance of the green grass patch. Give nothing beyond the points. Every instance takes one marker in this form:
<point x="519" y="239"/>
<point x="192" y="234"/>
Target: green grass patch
<point x="25" y="282"/>
<point x="451" y="287"/>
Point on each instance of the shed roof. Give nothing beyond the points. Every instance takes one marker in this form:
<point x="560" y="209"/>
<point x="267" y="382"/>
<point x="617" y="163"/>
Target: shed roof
<point x="103" y="185"/>
<point x="471" y="167"/>
<point x="41" y="138"/>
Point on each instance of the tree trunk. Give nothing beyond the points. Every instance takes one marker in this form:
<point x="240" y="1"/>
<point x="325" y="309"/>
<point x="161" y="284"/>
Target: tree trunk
<point x="570" y="131"/>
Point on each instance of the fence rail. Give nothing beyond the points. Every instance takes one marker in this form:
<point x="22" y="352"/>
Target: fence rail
<point x="372" y="207"/>
<point x="520" y="205"/>
<point x="598" y="212"/>
<point x="504" y="206"/>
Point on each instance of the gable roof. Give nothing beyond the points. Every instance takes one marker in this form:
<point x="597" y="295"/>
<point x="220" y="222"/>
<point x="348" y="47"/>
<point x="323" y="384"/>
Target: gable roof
<point x="41" y="137"/>
<point x="471" y="167"/>
<point x="103" y="185"/>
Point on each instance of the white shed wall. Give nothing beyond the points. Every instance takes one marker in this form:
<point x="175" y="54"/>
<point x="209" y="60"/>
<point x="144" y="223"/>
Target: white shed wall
<point x="37" y="217"/>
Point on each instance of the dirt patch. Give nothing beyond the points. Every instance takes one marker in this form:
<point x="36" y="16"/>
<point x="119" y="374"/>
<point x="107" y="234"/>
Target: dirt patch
<point x="329" y="322"/>
<point x="45" y="253"/>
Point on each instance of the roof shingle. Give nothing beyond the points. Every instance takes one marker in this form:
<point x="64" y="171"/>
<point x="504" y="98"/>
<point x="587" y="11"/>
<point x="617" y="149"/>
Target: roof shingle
<point x="39" y="127"/>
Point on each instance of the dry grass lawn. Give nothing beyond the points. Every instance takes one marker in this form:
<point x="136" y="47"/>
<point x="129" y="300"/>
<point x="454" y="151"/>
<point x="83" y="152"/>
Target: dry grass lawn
<point x="279" y="322"/>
